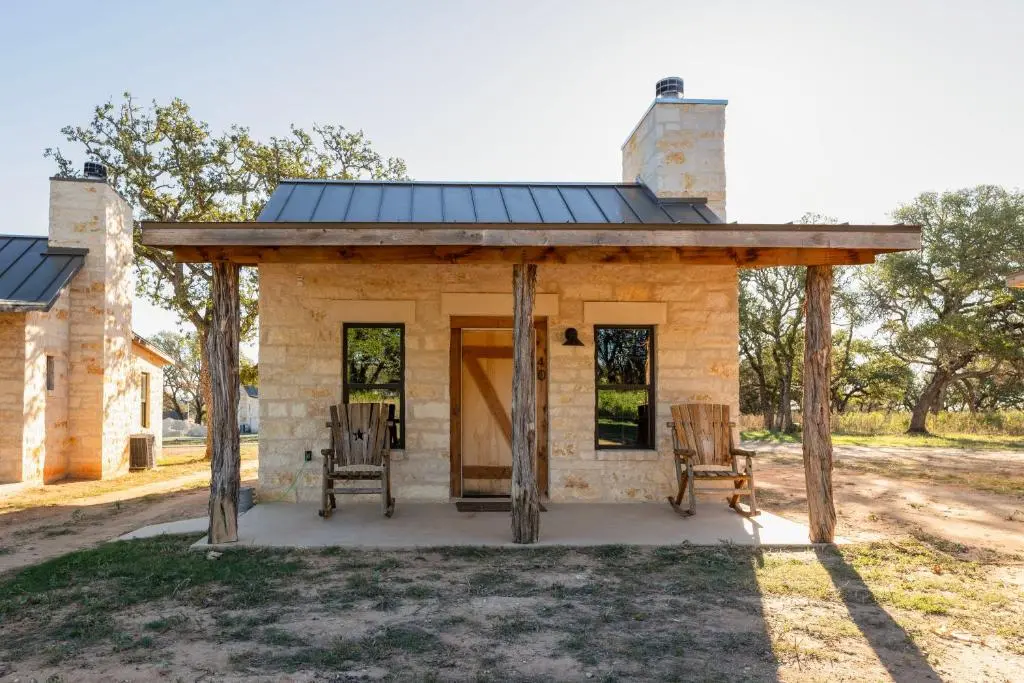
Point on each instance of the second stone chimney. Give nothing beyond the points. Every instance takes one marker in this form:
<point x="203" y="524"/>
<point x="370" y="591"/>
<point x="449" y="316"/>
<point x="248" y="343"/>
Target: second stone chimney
<point x="678" y="148"/>
<point x="87" y="213"/>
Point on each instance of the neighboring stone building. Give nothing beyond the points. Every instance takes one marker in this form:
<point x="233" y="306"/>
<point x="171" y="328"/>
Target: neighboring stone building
<point x="249" y="409"/>
<point x="402" y="292"/>
<point x="75" y="381"/>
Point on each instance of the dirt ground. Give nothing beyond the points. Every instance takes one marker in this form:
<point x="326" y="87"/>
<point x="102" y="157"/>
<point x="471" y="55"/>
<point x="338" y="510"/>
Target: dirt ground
<point x="931" y="589"/>
<point x="40" y="523"/>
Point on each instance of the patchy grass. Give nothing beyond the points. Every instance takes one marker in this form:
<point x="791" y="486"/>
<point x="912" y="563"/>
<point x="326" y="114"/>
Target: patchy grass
<point x="608" y="613"/>
<point x="983" y="442"/>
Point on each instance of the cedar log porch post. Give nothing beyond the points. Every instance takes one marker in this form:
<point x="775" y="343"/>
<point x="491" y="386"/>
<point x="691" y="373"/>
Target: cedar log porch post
<point x="525" y="499"/>
<point x="817" y="425"/>
<point x="223" y="345"/>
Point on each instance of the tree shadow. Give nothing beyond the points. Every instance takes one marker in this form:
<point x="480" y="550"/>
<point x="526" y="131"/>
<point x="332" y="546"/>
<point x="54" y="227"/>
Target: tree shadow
<point x="891" y="643"/>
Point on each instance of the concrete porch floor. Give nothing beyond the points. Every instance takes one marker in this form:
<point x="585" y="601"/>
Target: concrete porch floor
<point x="440" y="524"/>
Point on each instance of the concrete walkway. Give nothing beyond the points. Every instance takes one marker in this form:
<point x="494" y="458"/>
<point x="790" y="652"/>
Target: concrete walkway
<point x="289" y="525"/>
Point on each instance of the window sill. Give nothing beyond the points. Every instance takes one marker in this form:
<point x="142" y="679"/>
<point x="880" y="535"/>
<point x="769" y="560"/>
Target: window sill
<point x="627" y="454"/>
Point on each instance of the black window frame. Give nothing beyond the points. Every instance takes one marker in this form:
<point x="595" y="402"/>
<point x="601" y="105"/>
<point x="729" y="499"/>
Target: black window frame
<point x="651" y="387"/>
<point x="401" y="421"/>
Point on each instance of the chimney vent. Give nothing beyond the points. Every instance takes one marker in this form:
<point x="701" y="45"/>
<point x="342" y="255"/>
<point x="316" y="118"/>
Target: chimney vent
<point x="669" y="87"/>
<point x="95" y="170"/>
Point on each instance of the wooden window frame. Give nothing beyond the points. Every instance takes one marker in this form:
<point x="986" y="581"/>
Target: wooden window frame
<point x="144" y="386"/>
<point x="652" y="393"/>
<point x="401" y="421"/>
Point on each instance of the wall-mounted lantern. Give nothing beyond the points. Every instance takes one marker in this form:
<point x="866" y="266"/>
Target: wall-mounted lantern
<point x="572" y="337"/>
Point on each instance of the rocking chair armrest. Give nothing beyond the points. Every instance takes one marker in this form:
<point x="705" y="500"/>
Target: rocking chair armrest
<point x="684" y="453"/>
<point x="326" y="452"/>
<point x="743" y="452"/>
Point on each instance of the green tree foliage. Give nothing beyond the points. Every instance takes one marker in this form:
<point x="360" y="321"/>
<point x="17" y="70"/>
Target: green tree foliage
<point x="946" y="309"/>
<point x="171" y="166"/>
<point x="373" y="355"/>
<point x="182" y="383"/>
<point x="866" y="376"/>
<point x="249" y="372"/>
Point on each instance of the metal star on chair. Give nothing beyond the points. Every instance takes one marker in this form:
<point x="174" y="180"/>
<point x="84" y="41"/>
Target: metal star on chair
<point x="358" y="434"/>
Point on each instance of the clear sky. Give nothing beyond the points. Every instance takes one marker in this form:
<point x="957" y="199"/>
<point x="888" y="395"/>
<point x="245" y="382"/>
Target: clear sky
<point x="841" y="108"/>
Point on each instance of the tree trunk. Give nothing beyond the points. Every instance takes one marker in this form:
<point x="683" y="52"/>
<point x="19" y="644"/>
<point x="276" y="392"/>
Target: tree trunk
<point x="223" y="411"/>
<point x="785" y="405"/>
<point x="928" y="398"/>
<point x="205" y="389"/>
<point x="525" y="499"/>
<point x="817" y="433"/>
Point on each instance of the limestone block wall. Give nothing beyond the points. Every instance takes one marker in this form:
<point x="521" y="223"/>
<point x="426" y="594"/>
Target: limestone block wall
<point x="46" y="410"/>
<point x="678" y="149"/>
<point x="302" y="308"/>
<point x="12" y="395"/>
<point x="141" y="363"/>
<point x="91" y="214"/>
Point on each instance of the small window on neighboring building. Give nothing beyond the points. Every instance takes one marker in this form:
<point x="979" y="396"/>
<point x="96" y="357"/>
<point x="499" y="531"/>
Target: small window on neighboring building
<point x="374" y="369"/>
<point x="144" y="391"/>
<point x="625" y="410"/>
<point x="51" y="380"/>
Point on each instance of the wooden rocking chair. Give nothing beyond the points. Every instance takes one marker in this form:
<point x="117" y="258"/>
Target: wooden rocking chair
<point x="704" y="450"/>
<point x="360" y="451"/>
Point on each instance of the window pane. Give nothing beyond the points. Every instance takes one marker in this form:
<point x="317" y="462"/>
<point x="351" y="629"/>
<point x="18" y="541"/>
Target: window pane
<point x="389" y="396"/>
<point x="623" y="355"/>
<point x="623" y="418"/>
<point x="374" y="355"/>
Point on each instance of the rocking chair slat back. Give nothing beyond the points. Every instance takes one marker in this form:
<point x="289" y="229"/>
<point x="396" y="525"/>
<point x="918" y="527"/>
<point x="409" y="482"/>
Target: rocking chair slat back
<point x="707" y="431"/>
<point x="360" y="433"/>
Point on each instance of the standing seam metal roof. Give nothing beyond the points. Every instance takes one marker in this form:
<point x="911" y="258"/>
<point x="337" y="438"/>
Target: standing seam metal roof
<point x="348" y="201"/>
<point x="32" y="274"/>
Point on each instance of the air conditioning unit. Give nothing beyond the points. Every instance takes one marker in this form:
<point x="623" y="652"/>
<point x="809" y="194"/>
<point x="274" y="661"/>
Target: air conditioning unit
<point x="141" y="452"/>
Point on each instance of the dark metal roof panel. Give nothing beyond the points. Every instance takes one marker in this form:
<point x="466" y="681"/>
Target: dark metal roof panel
<point x="32" y="275"/>
<point x="353" y="201"/>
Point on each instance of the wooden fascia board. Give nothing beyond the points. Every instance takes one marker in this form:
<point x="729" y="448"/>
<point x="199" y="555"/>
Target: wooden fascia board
<point x="745" y="258"/>
<point x="874" y="237"/>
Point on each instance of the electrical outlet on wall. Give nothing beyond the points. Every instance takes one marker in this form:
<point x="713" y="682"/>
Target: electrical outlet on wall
<point x="309" y="456"/>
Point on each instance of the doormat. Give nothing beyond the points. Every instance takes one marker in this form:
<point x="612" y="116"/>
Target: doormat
<point x="487" y="506"/>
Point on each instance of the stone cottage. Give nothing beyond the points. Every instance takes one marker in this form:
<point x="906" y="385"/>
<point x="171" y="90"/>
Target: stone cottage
<point x="249" y="409"/>
<point x="403" y="292"/>
<point x="75" y="381"/>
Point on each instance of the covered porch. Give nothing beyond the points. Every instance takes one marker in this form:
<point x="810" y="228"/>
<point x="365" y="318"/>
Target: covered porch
<point x="326" y="233"/>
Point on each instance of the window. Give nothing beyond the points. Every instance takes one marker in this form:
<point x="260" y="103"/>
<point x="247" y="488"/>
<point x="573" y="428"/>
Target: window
<point x="144" y="390"/>
<point x="624" y="363"/>
<point x="374" y="369"/>
<point x="51" y="380"/>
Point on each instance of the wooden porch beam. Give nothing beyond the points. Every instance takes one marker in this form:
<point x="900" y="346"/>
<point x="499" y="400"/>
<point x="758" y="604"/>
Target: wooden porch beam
<point x="525" y="498"/>
<point x="225" y="474"/>
<point x="744" y="257"/>
<point x="817" y="428"/>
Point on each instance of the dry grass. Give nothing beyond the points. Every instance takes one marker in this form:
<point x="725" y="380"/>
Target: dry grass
<point x="1004" y="423"/>
<point x="152" y="608"/>
<point x="184" y="466"/>
<point x="976" y="442"/>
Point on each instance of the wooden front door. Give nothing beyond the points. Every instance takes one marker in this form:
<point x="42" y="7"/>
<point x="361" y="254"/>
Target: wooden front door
<point x="481" y="391"/>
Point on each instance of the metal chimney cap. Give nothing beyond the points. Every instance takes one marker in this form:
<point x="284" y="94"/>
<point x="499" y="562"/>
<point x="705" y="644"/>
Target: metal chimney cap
<point x="94" y="169"/>
<point x="671" y="86"/>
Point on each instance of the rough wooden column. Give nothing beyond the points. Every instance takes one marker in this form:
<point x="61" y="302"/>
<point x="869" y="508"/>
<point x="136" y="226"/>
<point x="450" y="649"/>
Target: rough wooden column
<point x="223" y="422"/>
<point x="817" y="427"/>
<point x="525" y="499"/>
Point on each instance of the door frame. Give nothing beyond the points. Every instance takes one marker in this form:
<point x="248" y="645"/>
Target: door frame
<point x="459" y="323"/>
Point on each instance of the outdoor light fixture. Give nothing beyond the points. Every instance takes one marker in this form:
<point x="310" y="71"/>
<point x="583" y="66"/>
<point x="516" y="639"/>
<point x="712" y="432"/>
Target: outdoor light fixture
<point x="572" y="337"/>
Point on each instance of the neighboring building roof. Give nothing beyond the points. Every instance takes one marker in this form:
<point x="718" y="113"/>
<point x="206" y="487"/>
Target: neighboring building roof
<point x="149" y="347"/>
<point x="253" y="391"/>
<point x="355" y="201"/>
<point x="1015" y="280"/>
<point x="32" y="274"/>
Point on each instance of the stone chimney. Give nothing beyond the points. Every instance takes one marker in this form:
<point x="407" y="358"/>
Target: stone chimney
<point x="88" y="213"/>
<point x="678" y="148"/>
